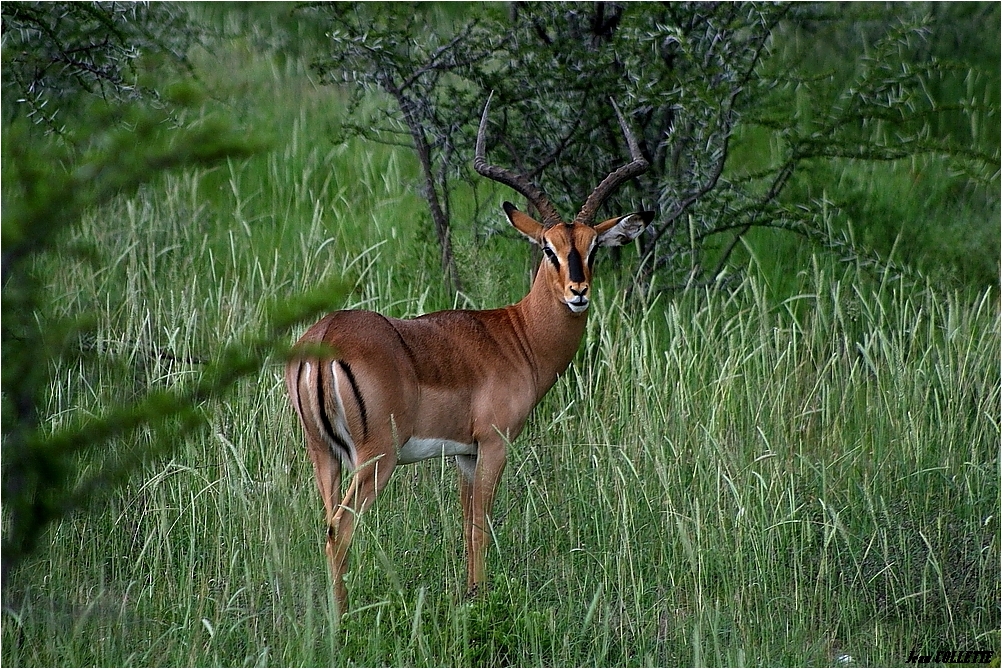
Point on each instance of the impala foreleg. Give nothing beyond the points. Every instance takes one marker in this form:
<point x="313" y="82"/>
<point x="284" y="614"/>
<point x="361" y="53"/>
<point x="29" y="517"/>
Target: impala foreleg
<point x="478" y="484"/>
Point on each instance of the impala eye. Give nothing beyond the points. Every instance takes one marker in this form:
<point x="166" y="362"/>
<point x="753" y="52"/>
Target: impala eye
<point x="591" y="256"/>
<point x="552" y="256"/>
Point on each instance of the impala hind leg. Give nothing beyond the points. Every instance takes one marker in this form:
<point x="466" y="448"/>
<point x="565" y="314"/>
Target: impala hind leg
<point x="327" y="470"/>
<point x="368" y="482"/>
<point x="479" y="477"/>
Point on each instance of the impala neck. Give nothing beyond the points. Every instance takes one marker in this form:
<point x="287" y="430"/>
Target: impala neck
<point x="552" y="332"/>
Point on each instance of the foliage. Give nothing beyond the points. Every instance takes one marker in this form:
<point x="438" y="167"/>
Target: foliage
<point x="59" y="53"/>
<point x="39" y="203"/>
<point x="725" y="477"/>
<point x="697" y="79"/>
<point x="375" y="46"/>
<point x="913" y="169"/>
<point x="682" y="69"/>
<point x="52" y="181"/>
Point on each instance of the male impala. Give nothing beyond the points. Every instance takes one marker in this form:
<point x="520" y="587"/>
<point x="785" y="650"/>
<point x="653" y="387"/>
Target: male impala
<point x="451" y="383"/>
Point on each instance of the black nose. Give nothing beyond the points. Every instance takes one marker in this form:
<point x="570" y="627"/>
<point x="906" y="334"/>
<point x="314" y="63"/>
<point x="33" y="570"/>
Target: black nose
<point x="580" y="292"/>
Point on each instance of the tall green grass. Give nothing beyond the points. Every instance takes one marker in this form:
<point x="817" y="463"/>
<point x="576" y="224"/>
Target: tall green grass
<point x="720" y="477"/>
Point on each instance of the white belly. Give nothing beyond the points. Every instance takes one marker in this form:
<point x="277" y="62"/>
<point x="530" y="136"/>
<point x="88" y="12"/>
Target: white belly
<point x="422" y="448"/>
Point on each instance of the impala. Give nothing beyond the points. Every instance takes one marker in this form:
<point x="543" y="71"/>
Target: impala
<point x="452" y="383"/>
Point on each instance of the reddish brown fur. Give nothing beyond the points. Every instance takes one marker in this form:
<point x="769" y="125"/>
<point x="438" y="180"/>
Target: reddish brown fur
<point x="470" y="377"/>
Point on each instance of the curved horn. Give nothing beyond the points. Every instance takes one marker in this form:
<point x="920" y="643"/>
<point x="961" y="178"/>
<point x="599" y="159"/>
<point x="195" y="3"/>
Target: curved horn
<point x="615" y="179"/>
<point x="515" y="181"/>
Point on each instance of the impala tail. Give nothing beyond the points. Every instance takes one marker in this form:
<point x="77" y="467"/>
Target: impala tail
<point x="316" y="387"/>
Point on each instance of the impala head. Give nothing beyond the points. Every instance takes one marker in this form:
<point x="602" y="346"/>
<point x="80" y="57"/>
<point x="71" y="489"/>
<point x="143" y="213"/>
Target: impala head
<point x="569" y="248"/>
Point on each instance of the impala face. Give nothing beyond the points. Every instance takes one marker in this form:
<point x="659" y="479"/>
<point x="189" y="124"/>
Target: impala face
<point x="569" y="250"/>
<point x="566" y="247"/>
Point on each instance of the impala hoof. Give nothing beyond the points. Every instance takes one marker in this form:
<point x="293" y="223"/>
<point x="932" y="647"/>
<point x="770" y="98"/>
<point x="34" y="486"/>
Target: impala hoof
<point x="476" y="591"/>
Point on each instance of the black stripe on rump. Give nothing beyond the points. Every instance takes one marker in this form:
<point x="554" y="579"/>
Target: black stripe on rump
<point x="325" y="420"/>
<point x="574" y="268"/>
<point x="299" y="392"/>
<point x="358" y="397"/>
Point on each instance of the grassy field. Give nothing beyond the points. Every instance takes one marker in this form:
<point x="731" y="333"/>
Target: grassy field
<point x="722" y="477"/>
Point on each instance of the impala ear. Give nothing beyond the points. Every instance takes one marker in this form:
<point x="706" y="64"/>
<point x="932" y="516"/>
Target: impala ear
<point x="524" y="223"/>
<point x="623" y="229"/>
